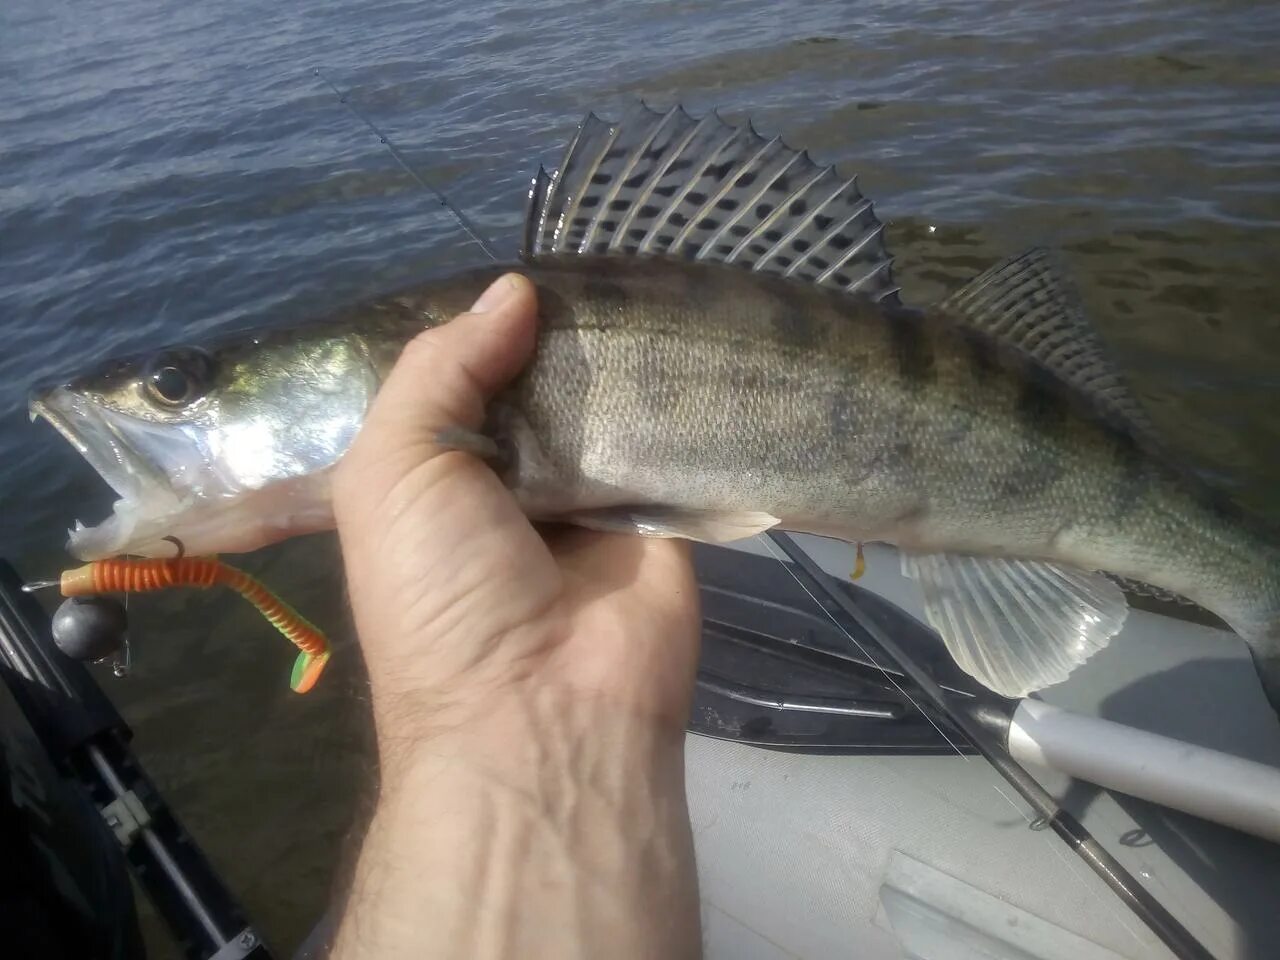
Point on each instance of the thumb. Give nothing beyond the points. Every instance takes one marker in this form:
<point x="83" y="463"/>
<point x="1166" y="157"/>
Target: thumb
<point x="446" y="374"/>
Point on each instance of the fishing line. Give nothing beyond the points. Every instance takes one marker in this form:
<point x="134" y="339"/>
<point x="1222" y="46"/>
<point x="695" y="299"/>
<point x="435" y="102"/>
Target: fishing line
<point x="457" y="214"/>
<point x="854" y="640"/>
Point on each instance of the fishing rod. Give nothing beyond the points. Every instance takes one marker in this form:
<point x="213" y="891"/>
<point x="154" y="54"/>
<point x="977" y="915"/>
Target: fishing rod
<point x="978" y="720"/>
<point x="976" y="723"/>
<point x="468" y="227"/>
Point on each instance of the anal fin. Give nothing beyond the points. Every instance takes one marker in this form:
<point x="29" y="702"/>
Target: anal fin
<point x="1016" y="626"/>
<point x="655" y="521"/>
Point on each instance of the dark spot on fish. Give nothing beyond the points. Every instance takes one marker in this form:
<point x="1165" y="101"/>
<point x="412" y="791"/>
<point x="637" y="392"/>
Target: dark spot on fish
<point x="739" y="229"/>
<point x="653" y="153"/>
<point x="843" y="279"/>
<point x="798" y="207"/>
<point x="1223" y="504"/>
<point x="589" y="201"/>
<point x="649" y="210"/>
<point x="822" y="221"/>
<point x="636" y="233"/>
<point x="747" y="178"/>
<point x="632" y="182"/>
<point x="605" y="293"/>
<point x="819" y="263"/>
<point x="1131" y="466"/>
<point x="867" y="105"/>
<point x="614" y="153"/>
<point x="552" y="307"/>
<point x="1040" y="405"/>
<point x="763" y="210"/>
<point x="773" y="236"/>
<point x="677" y="219"/>
<point x="982" y="351"/>
<point x="726" y="203"/>
<point x="708" y="223"/>
<point x="619" y="205"/>
<point x="781" y="185"/>
<point x="720" y="170"/>
<point x="667" y="191"/>
<point x="682" y="164"/>
<point x="912" y="350"/>
<point x="783" y="262"/>
<point x="840" y="242"/>
<point x="913" y="514"/>
<point x="697" y="196"/>
<point x="724" y="249"/>
<point x="800" y="245"/>
<point x="602" y="178"/>
<point x="610" y="224"/>
<point x="759" y="249"/>
<point x="1028" y="477"/>
<point x="793" y="326"/>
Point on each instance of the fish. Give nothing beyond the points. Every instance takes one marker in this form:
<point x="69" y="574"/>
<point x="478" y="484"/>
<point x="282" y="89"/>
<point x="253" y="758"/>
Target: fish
<point x="722" y="350"/>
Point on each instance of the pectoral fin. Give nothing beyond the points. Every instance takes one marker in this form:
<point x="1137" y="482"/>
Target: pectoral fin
<point x="652" y="521"/>
<point x="1016" y="626"/>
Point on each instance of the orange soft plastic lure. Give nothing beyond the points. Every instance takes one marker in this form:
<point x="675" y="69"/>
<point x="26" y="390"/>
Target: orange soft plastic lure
<point x="128" y="575"/>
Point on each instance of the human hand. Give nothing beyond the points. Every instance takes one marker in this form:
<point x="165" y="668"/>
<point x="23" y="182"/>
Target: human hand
<point x="537" y="680"/>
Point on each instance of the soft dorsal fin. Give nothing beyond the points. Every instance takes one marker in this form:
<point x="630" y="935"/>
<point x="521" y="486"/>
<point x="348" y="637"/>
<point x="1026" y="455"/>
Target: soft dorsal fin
<point x="667" y="184"/>
<point x="1028" y="302"/>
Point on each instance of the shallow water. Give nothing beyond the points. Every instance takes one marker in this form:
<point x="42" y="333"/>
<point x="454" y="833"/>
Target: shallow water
<point x="171" y="170"/>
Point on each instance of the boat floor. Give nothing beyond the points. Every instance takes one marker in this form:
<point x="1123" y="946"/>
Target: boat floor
<point x="874" y="856"/>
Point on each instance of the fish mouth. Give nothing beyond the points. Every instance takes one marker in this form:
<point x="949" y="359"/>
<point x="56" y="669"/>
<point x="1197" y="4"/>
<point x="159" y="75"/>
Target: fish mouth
<point x="93" y="437"/>
<point x="144" y="494"/>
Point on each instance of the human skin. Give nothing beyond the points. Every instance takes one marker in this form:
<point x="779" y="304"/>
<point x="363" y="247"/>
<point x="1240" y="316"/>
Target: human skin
<point x="530" y="689"/>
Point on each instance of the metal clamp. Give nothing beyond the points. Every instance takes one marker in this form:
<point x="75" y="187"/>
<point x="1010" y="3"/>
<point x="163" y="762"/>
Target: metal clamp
<point x="238" y="947"/>
<point x="126" y="815"/>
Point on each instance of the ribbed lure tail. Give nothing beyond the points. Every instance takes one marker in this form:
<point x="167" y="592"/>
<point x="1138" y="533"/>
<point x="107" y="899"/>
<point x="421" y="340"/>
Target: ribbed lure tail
<point x="121" y="575"/>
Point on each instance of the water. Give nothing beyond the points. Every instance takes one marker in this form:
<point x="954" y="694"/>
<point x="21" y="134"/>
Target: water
<point x="171" y="170"/>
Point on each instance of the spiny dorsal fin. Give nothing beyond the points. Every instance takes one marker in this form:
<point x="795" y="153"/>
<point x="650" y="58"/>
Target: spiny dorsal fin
<point x="1028" y="302"/>
<point x="667" y="184"/>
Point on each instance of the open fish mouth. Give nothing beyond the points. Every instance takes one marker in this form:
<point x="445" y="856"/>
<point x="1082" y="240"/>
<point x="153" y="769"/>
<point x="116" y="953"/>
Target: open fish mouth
<point x="146" y="499"/>
<point x="93" y="437"/>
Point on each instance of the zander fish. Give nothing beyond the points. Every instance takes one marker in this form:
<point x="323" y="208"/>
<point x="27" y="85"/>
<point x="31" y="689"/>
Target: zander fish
<point x="722" y="350"/>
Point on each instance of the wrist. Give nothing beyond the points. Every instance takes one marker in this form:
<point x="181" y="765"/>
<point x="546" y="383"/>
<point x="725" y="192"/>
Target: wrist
<point x="559" y="821"/>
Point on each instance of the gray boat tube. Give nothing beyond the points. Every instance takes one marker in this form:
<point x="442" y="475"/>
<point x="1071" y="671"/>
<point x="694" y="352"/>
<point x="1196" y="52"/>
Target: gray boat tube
<point x="1229" y="790"/>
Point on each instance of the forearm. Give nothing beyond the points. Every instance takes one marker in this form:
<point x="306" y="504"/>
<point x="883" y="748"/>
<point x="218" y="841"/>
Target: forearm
<point x="554" y="827"/>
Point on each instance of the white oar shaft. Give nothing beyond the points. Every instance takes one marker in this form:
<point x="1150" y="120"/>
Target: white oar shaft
<point x="1210" y="784"/>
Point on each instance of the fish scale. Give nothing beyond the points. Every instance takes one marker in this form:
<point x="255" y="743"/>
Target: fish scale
<point x="722" y="350"/>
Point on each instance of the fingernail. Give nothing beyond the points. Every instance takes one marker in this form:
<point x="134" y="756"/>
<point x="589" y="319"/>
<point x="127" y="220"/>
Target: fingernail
<point x="498" y="293"/>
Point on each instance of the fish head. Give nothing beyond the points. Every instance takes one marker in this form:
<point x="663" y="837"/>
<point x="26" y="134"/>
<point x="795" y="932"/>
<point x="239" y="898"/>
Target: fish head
<point x="225" y="448"/>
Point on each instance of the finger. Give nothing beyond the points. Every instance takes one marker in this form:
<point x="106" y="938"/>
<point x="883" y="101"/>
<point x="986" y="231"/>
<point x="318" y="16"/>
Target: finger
<point x="446" y="374"/>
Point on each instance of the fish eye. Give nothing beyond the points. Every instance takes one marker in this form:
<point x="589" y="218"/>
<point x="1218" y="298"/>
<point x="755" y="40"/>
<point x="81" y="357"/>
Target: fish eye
<point x="176" y="378"/>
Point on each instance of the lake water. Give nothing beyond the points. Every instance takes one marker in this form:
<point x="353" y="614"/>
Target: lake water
<point x="171" y="170"/>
